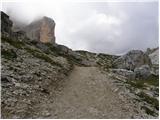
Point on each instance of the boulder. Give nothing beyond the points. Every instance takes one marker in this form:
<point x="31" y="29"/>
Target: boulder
<point x="42" y="30"/>
<point x="132" y="60"/>
<point x="126" y="73"/>
<point x="142" y="72"/>
<point x="155" y="70"/>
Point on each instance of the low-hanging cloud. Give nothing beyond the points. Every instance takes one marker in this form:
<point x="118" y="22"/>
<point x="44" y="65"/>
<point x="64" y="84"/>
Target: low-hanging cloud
<point x="113" y="28"/>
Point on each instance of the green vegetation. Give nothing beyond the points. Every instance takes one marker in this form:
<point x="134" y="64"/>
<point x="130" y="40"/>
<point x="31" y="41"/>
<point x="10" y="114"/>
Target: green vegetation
<point x="152" y="80"/>
<point x="153" y="101"/>
<point x="8" y="54"/>
<point x="31" y="50"/>
<point x="149" y="111"/>
<point x="141" y="84"/>
<point x="136" y="84"/>
<point x="105" y="61"/>
<point x="40" y="55"/>
<point x="15" y="43"/>
<point x="86" y="55"/>
<point x="52" y="50"/>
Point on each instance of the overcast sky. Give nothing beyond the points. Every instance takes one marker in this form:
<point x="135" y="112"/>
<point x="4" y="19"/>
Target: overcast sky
<point x="107" y="27"/>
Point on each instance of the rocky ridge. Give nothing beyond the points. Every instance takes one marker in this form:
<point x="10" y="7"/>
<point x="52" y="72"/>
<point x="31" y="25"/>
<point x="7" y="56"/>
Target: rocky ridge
<point x="35" y="70"/>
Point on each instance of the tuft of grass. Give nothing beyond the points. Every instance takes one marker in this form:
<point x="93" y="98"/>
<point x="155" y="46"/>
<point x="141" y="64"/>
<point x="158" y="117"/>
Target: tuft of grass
<point x="153" y="101"/>
<point x="8" y="54"/>
<point x="149" y="111"/>
<point x="152" y="80"/>
<point x="13" y="42"/>
<point x="136" y="84"/>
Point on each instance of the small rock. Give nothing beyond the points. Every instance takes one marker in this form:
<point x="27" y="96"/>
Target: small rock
<point x="46" y="114"/>
<point x="127" y="73"/>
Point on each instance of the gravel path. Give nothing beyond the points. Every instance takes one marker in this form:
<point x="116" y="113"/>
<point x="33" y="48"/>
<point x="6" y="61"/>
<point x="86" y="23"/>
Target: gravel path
<point x="87" y="94"/>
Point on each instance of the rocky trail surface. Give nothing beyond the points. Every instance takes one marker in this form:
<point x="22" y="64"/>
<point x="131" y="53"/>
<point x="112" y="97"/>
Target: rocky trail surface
<point x="88" y="94"/>
<point x="42" y="79"/>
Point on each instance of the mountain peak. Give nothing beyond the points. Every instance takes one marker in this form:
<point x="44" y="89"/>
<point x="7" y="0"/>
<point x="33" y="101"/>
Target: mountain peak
<point x="41" y="30"/>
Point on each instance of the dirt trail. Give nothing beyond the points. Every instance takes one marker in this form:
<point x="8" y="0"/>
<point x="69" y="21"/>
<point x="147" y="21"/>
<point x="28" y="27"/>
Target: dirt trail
<point x="87" y="94"/>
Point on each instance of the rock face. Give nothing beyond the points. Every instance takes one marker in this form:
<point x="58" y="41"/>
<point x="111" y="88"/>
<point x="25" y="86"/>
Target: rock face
<point x="6" y="28"/>
<point x="143" y="72"/>
<point x="6" y="25"/>
<point x="154" y="56"/>
<point x="132" y="59"/>
<point x="42" y="30"/>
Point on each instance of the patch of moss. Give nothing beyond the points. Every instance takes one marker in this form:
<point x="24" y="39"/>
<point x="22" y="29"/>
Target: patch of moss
<point x="13" y="42"/>
<point x="8" y="54"/>
<point x="136" y="84"/>
<point x="151" y="80"/>
<point x="153" y="101"/>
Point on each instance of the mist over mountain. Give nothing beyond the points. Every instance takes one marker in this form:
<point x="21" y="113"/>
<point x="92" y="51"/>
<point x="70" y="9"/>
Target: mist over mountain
<point x="102" y="27"/>
<point x="65" y="59"/>
<point x="43" y="79"/>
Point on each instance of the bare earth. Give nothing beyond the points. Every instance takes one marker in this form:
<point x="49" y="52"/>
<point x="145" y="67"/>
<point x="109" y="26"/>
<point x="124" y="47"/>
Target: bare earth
<point x="87" y="94"/>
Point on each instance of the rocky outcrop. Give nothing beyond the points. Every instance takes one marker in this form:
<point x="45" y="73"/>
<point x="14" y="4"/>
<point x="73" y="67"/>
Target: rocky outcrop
<point x="126" y="73"/>
<point x="20" y="35"/>
<point x="142" y="72"/>
<point x="6" y="25"/>
<point x="154" y="56"/>
<point x="132" y="59"/>
<point x="6" y="29"/>
<point x="42" y="30"/>
<point x="29" y="75"/>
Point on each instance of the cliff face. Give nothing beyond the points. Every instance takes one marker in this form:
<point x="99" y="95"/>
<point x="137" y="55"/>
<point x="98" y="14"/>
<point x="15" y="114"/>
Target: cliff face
<point x="6" y="24"/>
<point x="42" y="30"/>
<point x="154" y="56"/>
<point x="31" y="71"/>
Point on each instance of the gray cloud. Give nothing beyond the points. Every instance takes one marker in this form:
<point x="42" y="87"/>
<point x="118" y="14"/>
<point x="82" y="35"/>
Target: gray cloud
<point x="113" y="28"/>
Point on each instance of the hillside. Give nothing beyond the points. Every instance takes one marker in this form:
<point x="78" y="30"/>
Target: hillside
<point x="42" y="79"/>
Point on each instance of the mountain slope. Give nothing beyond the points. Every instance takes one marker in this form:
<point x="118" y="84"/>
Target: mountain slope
<point x="47" y="80"/>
